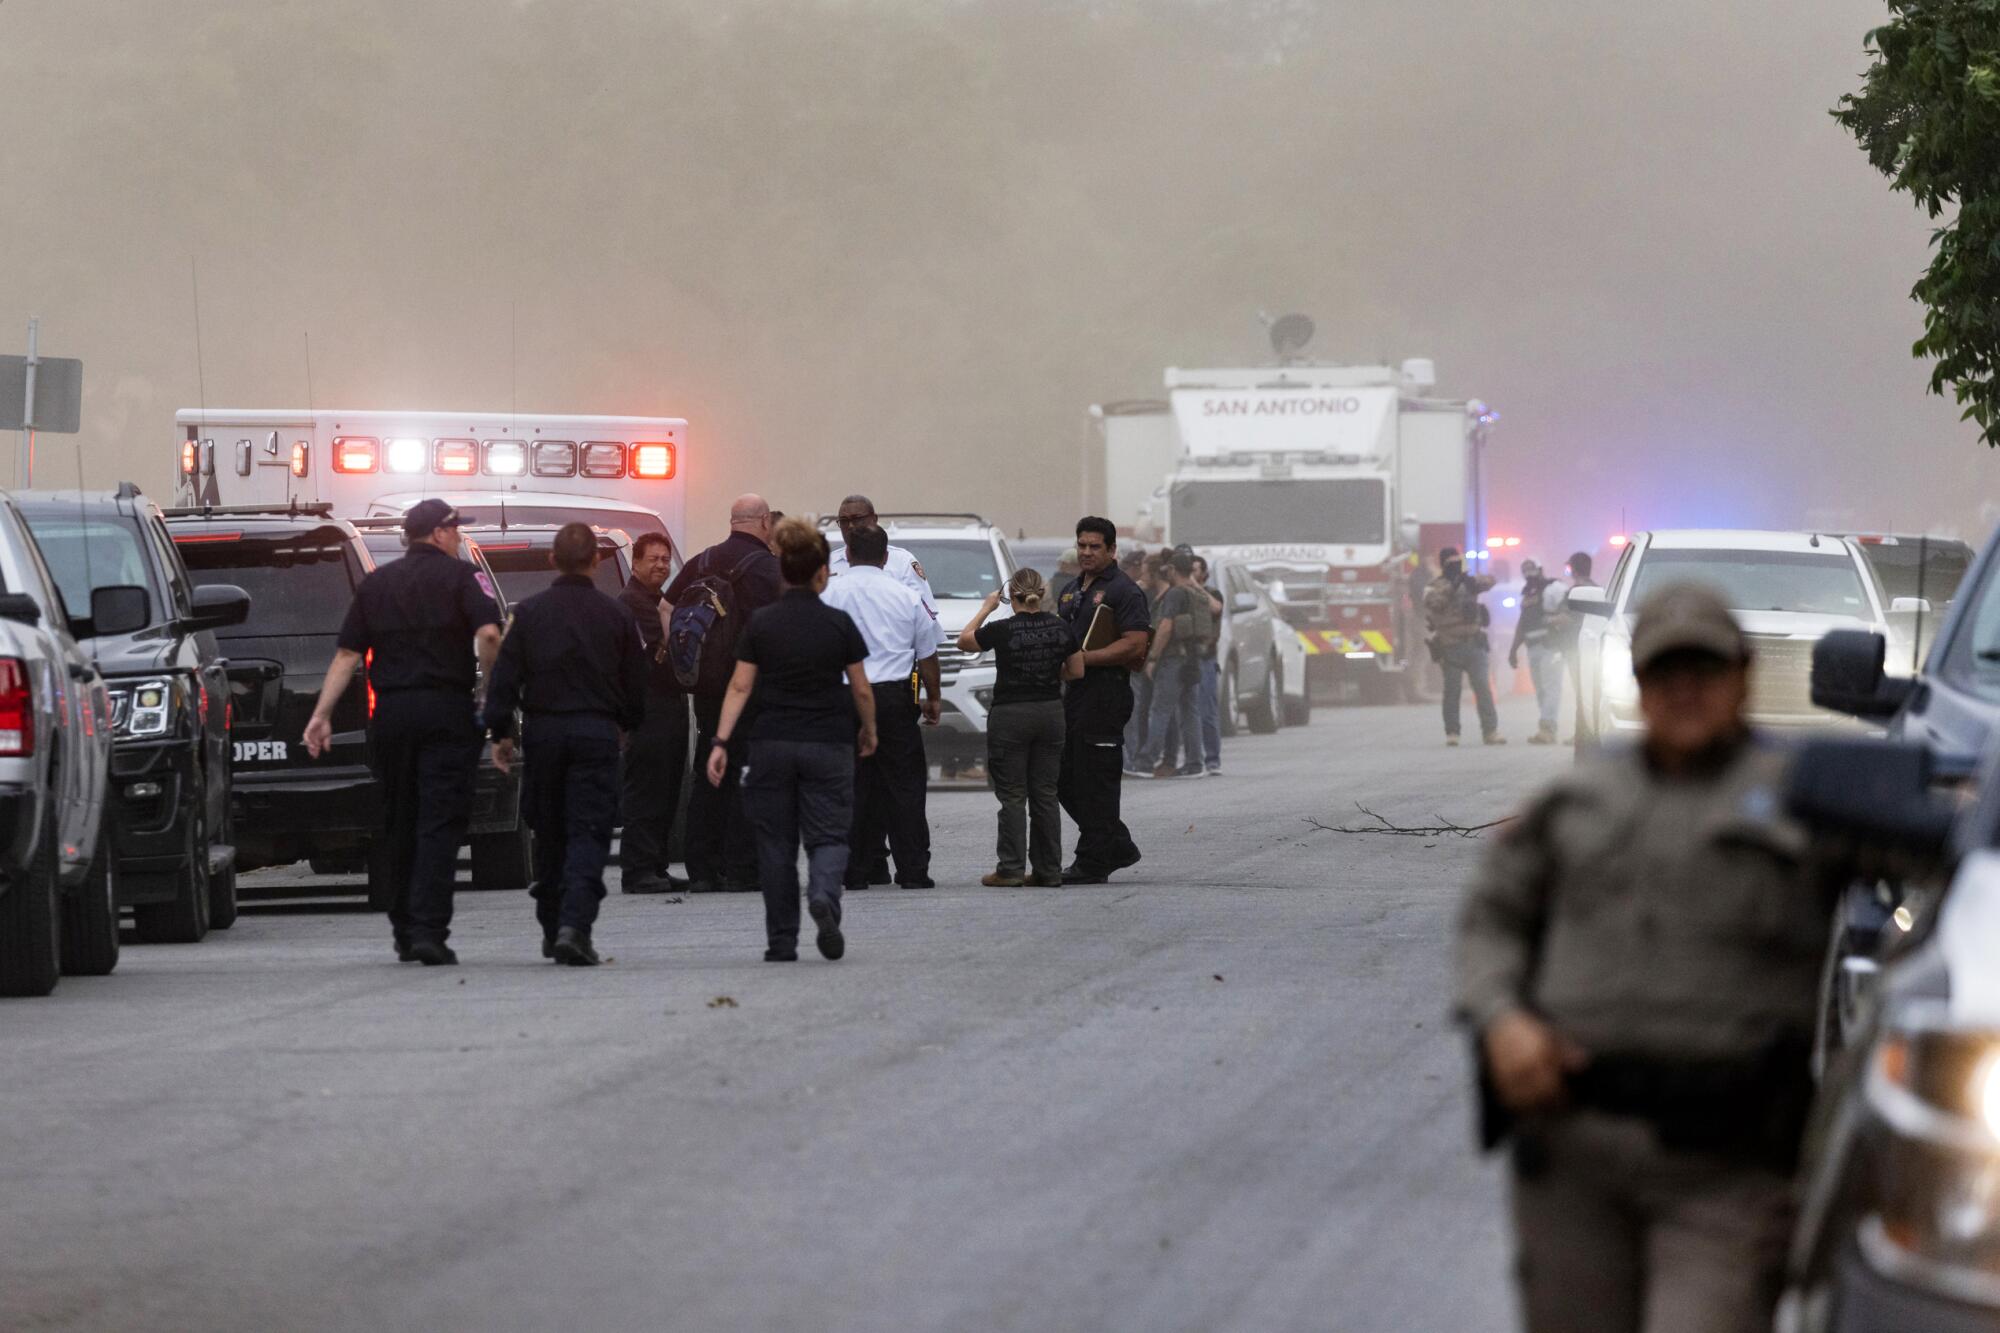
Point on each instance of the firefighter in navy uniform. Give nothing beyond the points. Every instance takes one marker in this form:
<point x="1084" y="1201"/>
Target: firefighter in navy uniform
<point x="424" y="617"/>
<point x="656" y="754"/>
<point x="1096" y="708"/>
<point x="574" y="663"/>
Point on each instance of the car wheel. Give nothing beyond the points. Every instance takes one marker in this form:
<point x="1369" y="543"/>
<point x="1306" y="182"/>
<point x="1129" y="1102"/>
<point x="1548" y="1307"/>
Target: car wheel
<point x="184" y="920"/>
<point x="504" y="860"/>
<point x="30" y="925"/>
<point x="1299" y="711"/>
<point x="1226" y="713"/>
<point x="1263" y="714"/>
<point x="90" y="914"/>
<point x="222" y="887"/>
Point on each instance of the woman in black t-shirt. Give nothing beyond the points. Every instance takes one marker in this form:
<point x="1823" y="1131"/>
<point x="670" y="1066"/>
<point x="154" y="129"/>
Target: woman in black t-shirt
<point x="799" y="662"/>
<point x="1035" y="652"/>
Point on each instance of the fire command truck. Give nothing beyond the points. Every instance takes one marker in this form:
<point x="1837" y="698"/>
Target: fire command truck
<point x="1331" y="484"/>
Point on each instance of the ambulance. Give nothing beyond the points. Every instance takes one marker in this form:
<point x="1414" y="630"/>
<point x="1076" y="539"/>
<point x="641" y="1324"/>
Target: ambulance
<point x="611" y="472"/>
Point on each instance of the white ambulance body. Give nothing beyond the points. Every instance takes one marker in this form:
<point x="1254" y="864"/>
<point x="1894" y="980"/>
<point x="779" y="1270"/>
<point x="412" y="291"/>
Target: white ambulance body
<point x="615" y="472"/>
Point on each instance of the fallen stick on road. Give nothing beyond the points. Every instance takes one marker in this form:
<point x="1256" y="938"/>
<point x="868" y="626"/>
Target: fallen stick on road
<point x="1384" y="826"/>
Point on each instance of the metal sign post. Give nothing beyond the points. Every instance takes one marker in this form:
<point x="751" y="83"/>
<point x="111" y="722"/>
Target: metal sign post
<point x="39" y="393"/>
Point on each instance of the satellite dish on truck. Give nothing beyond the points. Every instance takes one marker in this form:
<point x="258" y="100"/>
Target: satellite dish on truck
<point x="1289" y="336"/>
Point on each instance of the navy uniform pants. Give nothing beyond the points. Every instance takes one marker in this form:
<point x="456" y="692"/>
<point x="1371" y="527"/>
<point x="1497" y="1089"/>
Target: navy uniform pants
<point x="720" y="849"/>
<point x="570" y="795"/>
<point x="890" y="788"/>
<point x="1093" y="762"/>
<point x="799" y="791"/>
<point x="424" y="748"/>
<point x="655" y="762"/>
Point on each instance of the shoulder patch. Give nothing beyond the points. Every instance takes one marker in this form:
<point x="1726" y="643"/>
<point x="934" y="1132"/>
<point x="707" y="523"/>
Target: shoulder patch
<point x="485" y="584"/>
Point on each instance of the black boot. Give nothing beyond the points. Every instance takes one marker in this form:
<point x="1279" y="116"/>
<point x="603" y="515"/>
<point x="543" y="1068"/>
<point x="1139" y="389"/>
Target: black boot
<point x="573" y="947"/>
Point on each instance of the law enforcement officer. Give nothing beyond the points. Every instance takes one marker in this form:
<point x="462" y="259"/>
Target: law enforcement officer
<point x="1458" y="640"/>
<point x="424" y="617"/>
<point x="857" y="512"/>
<point x="721" y="857"/>
<point x="572" y="661"/>
<point x="656" y="753"/>
<point x="1638" y="960"/>
<point x="889" y="785"/>
<point x="1095" y="709"/>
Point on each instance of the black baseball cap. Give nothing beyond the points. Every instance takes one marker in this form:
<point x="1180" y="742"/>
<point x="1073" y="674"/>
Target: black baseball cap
<point x="427" y="516"/>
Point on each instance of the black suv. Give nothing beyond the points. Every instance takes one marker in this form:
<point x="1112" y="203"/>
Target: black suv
<point x="302" y="565"/>
<point x="169" y="793"/>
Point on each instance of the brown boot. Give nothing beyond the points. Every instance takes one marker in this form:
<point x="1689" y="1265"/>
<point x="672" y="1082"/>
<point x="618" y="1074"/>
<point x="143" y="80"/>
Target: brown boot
<point x="996" y="880"/>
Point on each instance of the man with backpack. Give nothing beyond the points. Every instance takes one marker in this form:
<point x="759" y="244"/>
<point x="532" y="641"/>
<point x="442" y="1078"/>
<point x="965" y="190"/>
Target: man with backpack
<point x="704" y="610"/>
<point x="1545" y="659"/>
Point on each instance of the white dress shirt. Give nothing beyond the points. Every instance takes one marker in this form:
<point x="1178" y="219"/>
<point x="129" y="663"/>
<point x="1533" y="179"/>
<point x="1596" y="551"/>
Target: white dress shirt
<point x="901" y="566"/>
<point x="897" y="626"/>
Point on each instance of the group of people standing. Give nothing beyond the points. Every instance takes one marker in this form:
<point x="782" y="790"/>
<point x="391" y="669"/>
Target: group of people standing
<point x="797" y="676"/>
<point x="1176" y="726"/>
<point x="1457" y="625"/>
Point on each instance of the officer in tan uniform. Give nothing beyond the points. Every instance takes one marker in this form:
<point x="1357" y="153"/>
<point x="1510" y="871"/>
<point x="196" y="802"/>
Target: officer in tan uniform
<point x="1638" y="961"/>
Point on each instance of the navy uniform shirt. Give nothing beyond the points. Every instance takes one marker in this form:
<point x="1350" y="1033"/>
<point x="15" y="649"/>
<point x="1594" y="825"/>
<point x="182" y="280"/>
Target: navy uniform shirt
<point x="571" y="650"/>
<point x="802" y="648"/>
<point x="644" y="604"/>
<point x="418" y="615"/>
<point x="1102" y="700"/>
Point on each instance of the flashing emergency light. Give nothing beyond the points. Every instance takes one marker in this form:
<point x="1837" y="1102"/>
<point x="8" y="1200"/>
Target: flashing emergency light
<point x="405" y="455"/>
<point x="1513" y="541"/>
<point x="603" y="459"/>
<point x="506" y="458"/>
<point x="655" y="462"/>
<point x="1495" y="543"/>
<point x="1619" y="539"/>
<point x="301" y="457"/>
<point x="354" y="453"/>
<point x="554" y="458"/>
<point x="456" y="458"/>
<point x="189" y="458"/>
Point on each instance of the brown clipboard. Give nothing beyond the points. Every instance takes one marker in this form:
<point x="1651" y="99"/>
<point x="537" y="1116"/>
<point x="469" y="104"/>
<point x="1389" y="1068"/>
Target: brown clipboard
<point x="1103" y="631"/>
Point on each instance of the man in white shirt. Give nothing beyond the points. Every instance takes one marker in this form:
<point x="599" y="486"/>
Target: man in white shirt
<point x="857" y="512"/>
<point x="901" y="632"/>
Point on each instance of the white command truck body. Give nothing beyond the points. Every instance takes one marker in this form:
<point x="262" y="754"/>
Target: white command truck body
<point x="614" y="472"/>
<point x="1331" y="484"/>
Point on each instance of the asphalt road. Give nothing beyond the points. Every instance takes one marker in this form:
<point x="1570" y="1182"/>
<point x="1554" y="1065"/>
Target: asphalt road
<point x="1217" y="1093"/>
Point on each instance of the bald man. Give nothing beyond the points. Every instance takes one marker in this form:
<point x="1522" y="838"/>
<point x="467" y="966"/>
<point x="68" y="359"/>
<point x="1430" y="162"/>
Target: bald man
<point x="721" y="857"/>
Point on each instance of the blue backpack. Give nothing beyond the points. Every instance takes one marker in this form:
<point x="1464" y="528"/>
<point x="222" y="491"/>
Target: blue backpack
<point x="702" y="631"/>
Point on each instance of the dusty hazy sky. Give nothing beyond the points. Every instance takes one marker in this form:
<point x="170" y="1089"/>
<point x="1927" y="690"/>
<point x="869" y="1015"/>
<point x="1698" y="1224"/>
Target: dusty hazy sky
<point x="901" y="247"/>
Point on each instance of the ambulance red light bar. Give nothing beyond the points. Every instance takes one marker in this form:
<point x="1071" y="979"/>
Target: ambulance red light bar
<point x="406" y="455"/>
<point x="301" y="457"/>
<point x="603" y="460"/>
<point x="506" y="458"/>
<point x="554" y="458"/>
<point x="654" y="462"/>
<point x="456" y="458"/>
<point x="190" y="458"/>
<point x="355" y="453"/>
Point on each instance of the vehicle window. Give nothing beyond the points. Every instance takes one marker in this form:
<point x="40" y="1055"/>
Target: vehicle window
<point x="962" y="570"/>
<point x="1333" y="510"/>
<point x="525" y="571"/>
<point x="1931" y="570"/>
<point x="1973" y="660"/>
<point x="32" y="575"/>
<point x="87" y="553"/>
<point x="632" y="521"/>
<point x="1825" y="584"/>
<point x="1616" y="584"/>
<point x="163" y="551"/>
<point x="299" y="582"/>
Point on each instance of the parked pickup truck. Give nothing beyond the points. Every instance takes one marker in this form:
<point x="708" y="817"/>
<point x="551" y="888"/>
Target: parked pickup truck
<point x="57" y="876"/>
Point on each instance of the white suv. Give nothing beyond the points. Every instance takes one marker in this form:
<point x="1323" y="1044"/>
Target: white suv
<point x="1786" y="588"/>
<point x="965" y="558"/>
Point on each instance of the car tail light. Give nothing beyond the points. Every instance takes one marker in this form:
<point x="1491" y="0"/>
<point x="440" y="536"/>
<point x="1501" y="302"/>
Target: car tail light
<point x="406" y="455"/>
<point x="198" y="538"/>
<point x="555" y="458"/>
<point x="654" y="462"/>
<point x="603" y="459"/>
<point x="456" y="458"/>
<point x="17" y="708"/>
<point x="301" y="458"/>
<point x="354" y="453"/>
<point x="506" y="458"/>
<point x="190" y="458"/>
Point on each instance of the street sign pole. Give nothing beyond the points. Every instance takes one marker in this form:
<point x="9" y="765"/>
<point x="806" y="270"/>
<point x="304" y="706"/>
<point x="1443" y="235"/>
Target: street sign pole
<point x="27" y="449"/>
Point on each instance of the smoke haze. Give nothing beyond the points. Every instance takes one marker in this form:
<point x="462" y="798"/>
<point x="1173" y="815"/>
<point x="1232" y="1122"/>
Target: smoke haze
<point x="901" y="247"/>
